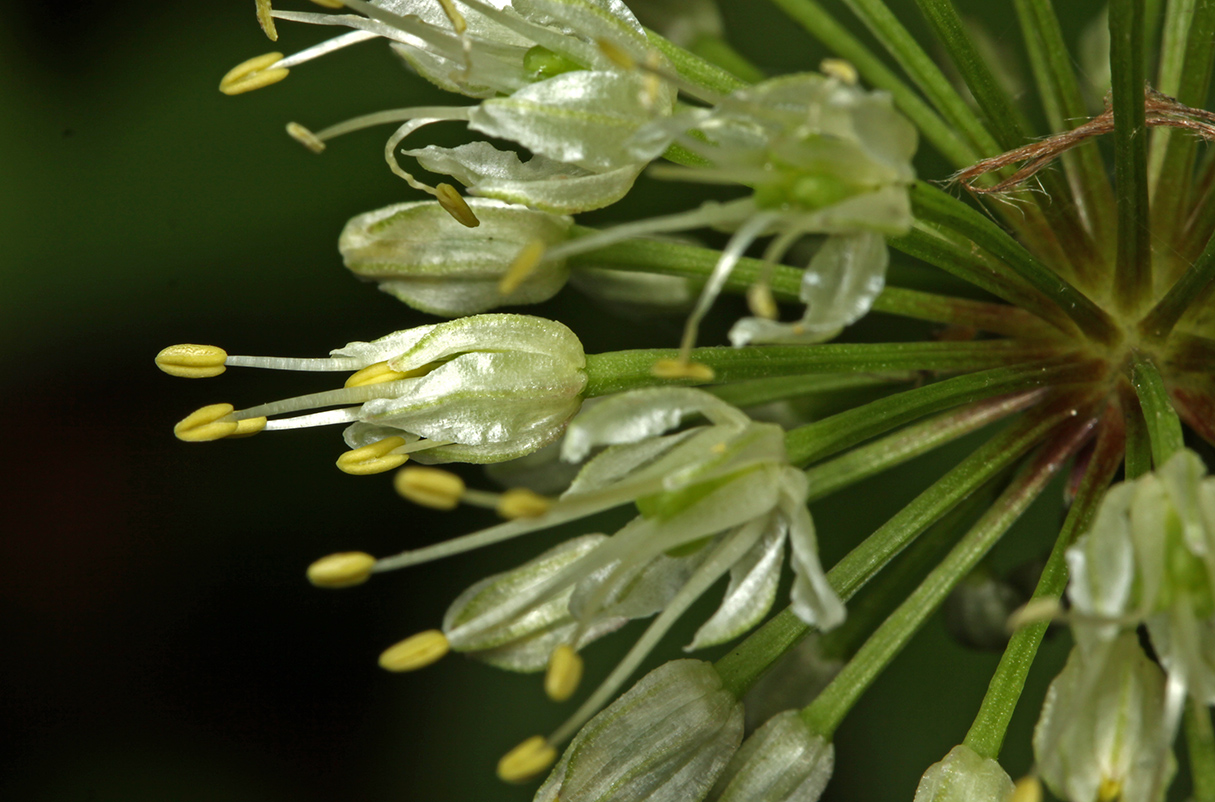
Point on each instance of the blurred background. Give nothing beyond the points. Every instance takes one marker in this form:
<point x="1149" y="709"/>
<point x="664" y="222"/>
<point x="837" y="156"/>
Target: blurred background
<point x="161" y="642"/>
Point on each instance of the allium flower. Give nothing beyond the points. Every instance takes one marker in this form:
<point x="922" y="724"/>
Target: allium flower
<point x="479" y="389"/>
<point x="782" y="761"/>
<point x="964" y="776"/>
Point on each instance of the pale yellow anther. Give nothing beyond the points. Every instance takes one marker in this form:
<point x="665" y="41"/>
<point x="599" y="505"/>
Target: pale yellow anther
<point x="375" y="374"/>
<point x="1109" y="790"/>
<point x="342" y="570"/>
<point x="190" y="361"/>
<point x="415" y="652"/>
<point x="761" y="302"/>
<point x="682" y="369"/>
<point x="616" y="54"/>
<point x="1027" y="789"/>
<point x="253" y="74"/>
<point x="305" y="137"/>
<point x="430" y="487"/>
<point x="564" y="673"/>
<point x="458" y="24"/>
<point x="519" y="502"/>
<point x="265" y="19"/>
<point x="248" y="427"/>
<point x="1034" y="611"/>
<point x="526" y="760"/>
<point x="329" y="3"/>
<point x="841" y="70"/>
<point x="454" y="204"/>
<point x="374" y="458"/>
<point x="525" y="263"/>
<point x="206" y="424"/>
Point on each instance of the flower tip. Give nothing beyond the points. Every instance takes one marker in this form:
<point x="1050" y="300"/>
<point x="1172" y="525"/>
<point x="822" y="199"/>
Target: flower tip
<point x="342" y="570"/>
<point x="374" y="458"/>
<point x="454" y="204"/>
<point x="564" y="673"/>
<point x="266" y="20"/>
<point x="206" y="424"/>
<point x="253" y="74"/>
<point x="190" y="361"/>
<point x="519" y="502"/>
<point x="682" y="369"/>
<point x="305" y="137"/>
<point x="526" y="760"/>
<point x="416" y="651"/>
<point x="430" y="487"/>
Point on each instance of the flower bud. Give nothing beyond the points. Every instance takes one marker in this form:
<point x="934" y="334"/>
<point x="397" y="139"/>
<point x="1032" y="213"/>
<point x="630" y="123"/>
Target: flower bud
<point x="782" y="761"/>
<point x="964" y="776"/>
<point x="422" y="256"/>
<point x="666" y="740"/>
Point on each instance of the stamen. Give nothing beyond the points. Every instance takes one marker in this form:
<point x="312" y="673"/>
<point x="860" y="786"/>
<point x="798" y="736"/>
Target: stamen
<point x="325" y="398"/>
<point x="564" y="673"/>
<point x="430" y="487"/>
<point x="253" y="74"/>
<point x="526" y="760"/>
<point x="330" y="3"/>
<point x="248" y="427"/>
<point x="374" y="458"/>
<point x="342" y="570"/>
<point x="1034" y="611"/>
<point x="760" y="300"/>
<point x="456" y="206"/>
<point x="190" y="361"/>
<point x="206" y="424"/>
<point x="324" y="48"/>
<point x="1109" y="790"/>
<point x="616" y="54"/>
<point x="417" y="651"/>
<point x="305" y="137"/>
<point x="524" y="264"/>
<point x="265" y="20"/>
<point x="840" y="70"/>
<point x="681" y="368"/>
<point x="377" y="373"/>
<point x="519" y="502"/>
<point x="1027" y="789"/>
<point x="328" y="418"/>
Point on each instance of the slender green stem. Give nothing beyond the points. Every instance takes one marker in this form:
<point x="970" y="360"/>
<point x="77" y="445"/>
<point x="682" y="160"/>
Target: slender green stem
<point x="1163" y="425"/>
<point x="719" y="52"/>
<point x="1133" y="272"/>
<point x="913" y="441"/>
<point x="695" y="69"/>
<point x="1138" y="442"/>
<point x="823" y="27"/>
<point x="824" y="715"/>
<point x="618" y="371"/>
<point x="821" y="439"/>
<point x="1012" y="321"/>
<point x="1200" y="744"/>
<point x="763" y="391"/>
<point x="935" y="206"/>
<point x="1193" y="285"/>
<point x="986" y="734"/>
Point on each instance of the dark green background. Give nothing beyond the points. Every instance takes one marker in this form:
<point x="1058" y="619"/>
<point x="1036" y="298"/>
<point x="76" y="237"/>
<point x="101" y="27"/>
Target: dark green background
<point x="160" y="642"/>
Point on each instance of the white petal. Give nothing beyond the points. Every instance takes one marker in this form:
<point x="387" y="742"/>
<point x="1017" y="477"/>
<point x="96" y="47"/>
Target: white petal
<point x="752" y="589"/>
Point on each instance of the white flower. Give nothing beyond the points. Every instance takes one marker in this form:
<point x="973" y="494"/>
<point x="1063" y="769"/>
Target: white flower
<point x="782" y="761"/>
<point x="964" y="776"/>
<point x="479" y="389"/>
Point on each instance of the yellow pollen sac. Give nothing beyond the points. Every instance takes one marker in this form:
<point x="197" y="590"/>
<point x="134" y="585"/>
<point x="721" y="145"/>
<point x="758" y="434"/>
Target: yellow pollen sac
<point x="1034" y="611"/>
<point x="1109" y="789"/>
<point x="329" y="3"/>
<point x="682" y="369"/>
<point x="253" y="74"/>
<point x="342" y="570"/>
<point x="415" y="652"/>
<point x="526" y="262"/>
<point x="374" y="458"/>
<point x="526" y="760"/>
<point x="841" y="70"/>
<point x="430" y="487"/>
<point x="190" y="361"/>
<point x="615" y="54"/>
<point x="305" y="137"/>
<point x="265" y="20"/>
<point x="1027" y="789"/>
<point x="564" y="673"/>
<point x="375" y="374"/>
<point x="458" y="23"/>
<point x="519" y="502"/>
<point x="206" y="424"/>
<point x="761" y="302"/>
<point x="455" y="205"/>
<point x="248" y="427"/>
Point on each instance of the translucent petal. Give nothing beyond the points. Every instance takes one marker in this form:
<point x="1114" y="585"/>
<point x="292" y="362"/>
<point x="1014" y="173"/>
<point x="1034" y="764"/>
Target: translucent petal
<point x="814" y="601"/>
<point x="964" y="776"/>
<point x="782" y="761"/>
<point x="752" y="588"/>
<point x="516" y="333"/>
<point x="638" y="591"/>
<point x="1102" y="562"/>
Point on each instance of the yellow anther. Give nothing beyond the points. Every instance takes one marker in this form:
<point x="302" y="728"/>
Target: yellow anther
<point x="248" y="427"/>
<point x="374" y="458"/>
<point x="206" y="424"/>
<point x="564" y="673"/>
<point x="415" y="652"/>
<point x="265" y="19"/>
<point x="342" y="570"/>
<point x="329" y="3"/>
<point x="761" y="302"/>
<point x="1027" y="789"/>
<point x="305" y="137"/>
<point x="253" y="74"/>
<point x="430" y="487"/>
<point x="523" y="266"/>
<point x="841" y="70"/>
<point x="526" y="760"/>
<point x="190" y="361"/>
<point x="458" y="24"/>
<point x="455" y="205"/>
<point x="1034" y="611"/>
<point x="682" y="369"/>
<point x="519" y="502"/>
<point x="615" y="54"/>
<point x="1109" y="790"/>
<point x="375" y="374"/>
